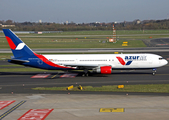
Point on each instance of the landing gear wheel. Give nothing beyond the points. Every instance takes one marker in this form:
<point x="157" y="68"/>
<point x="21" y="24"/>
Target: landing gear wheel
<point x="154" y="73"/>
<point x="86" y="73"/>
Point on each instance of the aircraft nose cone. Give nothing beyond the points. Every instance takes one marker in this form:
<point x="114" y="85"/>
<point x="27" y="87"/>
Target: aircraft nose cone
<point x="165" y="62"/>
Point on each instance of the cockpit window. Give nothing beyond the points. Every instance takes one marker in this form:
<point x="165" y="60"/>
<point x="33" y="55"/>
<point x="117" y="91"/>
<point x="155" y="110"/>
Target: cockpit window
<point x="161" y="58"/>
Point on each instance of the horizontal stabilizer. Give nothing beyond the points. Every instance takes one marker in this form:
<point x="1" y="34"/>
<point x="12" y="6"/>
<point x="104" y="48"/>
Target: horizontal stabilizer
<point x="17" y="61"/>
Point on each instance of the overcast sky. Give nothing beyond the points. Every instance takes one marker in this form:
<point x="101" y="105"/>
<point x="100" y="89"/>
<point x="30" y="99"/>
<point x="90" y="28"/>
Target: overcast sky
<point x="83" y="11"/>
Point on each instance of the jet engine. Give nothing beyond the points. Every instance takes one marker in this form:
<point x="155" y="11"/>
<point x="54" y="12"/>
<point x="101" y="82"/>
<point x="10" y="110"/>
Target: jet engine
<point x="103" y="70"/>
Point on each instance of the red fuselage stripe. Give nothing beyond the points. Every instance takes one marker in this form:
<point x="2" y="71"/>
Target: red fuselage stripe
<point x="45" y="60"/>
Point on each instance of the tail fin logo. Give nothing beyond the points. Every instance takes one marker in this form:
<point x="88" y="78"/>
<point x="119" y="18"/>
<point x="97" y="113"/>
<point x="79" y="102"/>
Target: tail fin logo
<point x="13" y="46"/>
<point x="20" y="46"/>
<point x="11" y="43"/>
<point x="123" y="62"/>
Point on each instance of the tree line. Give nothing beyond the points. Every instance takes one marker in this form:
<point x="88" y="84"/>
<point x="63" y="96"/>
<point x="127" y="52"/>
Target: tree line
<point x="46" y="26"/>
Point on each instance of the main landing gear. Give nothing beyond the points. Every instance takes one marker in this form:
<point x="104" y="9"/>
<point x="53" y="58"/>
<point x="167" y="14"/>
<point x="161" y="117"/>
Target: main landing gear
<point x="154" y="71"/>
<point x="86" y="73"/>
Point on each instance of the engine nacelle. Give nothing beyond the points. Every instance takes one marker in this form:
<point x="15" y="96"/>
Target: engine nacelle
<point x="103" y="70"/>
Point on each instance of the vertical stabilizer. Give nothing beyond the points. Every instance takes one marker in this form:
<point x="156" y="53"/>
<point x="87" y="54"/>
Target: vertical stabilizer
<point x="18" y="47"/>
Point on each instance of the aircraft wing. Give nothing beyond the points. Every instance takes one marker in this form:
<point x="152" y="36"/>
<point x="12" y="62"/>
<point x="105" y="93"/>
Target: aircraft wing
<point x="88" y="66"/>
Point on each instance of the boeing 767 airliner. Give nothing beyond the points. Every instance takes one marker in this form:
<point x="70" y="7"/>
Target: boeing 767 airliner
<point x="99" y="63"/>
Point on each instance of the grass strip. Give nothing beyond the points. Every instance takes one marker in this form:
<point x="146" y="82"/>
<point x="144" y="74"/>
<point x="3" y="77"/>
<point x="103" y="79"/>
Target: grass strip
<point x="10" y="69"/>
<point x="151" y="88"/>
<point x="13" y="65"/>
<point x="80" y="43"/>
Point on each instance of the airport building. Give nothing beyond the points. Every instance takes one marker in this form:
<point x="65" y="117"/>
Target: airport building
<point x="7" y="25"/>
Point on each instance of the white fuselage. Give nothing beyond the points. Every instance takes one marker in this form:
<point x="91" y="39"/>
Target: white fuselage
<point x="116" y="61"/>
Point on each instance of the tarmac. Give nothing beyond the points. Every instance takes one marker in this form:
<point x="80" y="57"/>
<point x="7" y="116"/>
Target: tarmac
<point x="87" y="106"/>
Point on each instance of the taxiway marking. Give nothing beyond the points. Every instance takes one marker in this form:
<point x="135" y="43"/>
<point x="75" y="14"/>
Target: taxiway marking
<point x="41" y="76"/>
<point x="11" y="110"/>
<point x="4" y="104"/>
<point x="36" y="114"/>
<point x="111" y="109"/>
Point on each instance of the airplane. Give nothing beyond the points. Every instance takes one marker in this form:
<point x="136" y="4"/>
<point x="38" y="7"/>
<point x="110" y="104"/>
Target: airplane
<point x="98" y="63"/>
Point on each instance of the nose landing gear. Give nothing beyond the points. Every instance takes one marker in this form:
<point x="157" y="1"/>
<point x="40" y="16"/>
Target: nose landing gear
<point x="154" y="71"/>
